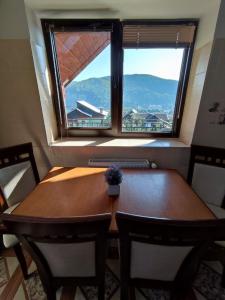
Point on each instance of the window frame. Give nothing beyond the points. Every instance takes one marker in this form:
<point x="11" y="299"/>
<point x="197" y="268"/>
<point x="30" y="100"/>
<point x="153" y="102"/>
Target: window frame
<point x="116" y="75"/>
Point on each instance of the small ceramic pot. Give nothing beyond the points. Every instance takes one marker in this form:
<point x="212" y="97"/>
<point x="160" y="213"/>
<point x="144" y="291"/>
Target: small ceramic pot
<point x="113" y="190"/>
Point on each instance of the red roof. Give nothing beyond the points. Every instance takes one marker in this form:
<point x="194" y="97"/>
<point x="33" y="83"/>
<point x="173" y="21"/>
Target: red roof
<point x="75" y="50"/>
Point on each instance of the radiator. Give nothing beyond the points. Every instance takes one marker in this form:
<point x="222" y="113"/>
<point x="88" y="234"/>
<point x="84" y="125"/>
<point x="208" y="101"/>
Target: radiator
<point x="122" y="163"/>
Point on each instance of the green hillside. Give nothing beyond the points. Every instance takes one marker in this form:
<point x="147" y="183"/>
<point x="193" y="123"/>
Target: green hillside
<point x="140" y="90"/>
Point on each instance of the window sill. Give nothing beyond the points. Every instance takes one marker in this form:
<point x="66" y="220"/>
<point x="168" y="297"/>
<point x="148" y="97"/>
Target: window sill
<point x="119" y="142"/>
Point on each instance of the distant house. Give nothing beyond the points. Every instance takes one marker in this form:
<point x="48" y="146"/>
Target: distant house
<point x="162" y="116"/>
<point x="86" y="114"/>
<point x="133" y="114"/>
<point x="145" y="120"/>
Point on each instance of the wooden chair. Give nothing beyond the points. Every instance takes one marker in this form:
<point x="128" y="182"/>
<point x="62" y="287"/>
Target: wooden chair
<point x="207" y="177"/>
<point x="18" y="177"/>
<point x="67" y="251"/>
<point x="162" y="253"/>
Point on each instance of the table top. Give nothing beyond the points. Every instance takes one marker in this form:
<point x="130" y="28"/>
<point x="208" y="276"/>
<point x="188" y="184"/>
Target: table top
<point x="67" y="192"/>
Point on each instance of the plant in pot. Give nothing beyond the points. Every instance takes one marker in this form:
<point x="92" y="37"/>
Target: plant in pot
<point x="113" y="176"/>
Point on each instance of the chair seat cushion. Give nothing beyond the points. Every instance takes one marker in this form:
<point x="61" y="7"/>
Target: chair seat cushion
<point x="16" y="182"/>
<point x="219" y="212"/>
<point x="220" y="243"/>
<point x="10" y="240"/>
<point x="155" y="261"/>
<point x="208" y="182"/>
<point x="70" y="260"/>
<point x="11" y="208"/>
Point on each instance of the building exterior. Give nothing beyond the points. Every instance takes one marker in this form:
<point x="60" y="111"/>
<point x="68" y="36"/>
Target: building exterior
<point x="145" y="121"/>
<point x="86" y="115"/>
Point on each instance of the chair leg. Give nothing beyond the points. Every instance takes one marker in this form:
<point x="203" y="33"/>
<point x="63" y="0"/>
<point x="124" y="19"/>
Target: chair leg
<point x="22" y="261"/>
<point x="49" y="288"/>
<point x="223" y="277"/>
<point x="132" y="295"/>
<point x="51" y="295"/>
<point x="124" y="292"/>
<point x="180" y="295"/>
<point x="101" y="292"/>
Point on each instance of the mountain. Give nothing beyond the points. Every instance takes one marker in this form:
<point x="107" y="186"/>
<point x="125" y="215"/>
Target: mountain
<point x="139" y="90"/>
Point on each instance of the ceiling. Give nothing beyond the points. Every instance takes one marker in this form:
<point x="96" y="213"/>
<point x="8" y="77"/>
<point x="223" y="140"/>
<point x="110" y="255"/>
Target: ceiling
<point x="129" y="8"/>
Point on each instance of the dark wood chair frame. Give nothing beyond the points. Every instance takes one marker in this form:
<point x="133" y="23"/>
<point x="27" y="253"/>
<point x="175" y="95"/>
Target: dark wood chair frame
<point x="213" y="157"/>
<point x="205" y="155"/>
<point x="63" y="230"/>
<point x="208" y="156"/>
<point x="11" y="156"/>
<point x="17" y="154"/>
<point x="198" y="234"/>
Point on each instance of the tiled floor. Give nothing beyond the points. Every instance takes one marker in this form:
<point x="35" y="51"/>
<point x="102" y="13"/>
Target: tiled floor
<point x="12" y="286"/>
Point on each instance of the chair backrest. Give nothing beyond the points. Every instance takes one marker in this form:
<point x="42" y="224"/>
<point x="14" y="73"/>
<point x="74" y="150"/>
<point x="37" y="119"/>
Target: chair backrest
<point x="18" y="173"/>
<point x="207" y="174"/>
<point x="165" y="253"/>
<point x="64" y="249"/>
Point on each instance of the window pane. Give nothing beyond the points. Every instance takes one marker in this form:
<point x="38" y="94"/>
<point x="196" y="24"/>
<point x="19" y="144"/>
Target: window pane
<point x="85" y="72"/>
<point x="150" y="85"/>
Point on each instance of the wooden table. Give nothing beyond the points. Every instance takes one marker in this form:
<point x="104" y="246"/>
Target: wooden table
<point x="67" y="192"/>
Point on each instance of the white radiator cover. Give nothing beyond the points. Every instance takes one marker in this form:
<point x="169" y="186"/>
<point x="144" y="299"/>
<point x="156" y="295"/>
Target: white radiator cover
<point x="122" y="163"/>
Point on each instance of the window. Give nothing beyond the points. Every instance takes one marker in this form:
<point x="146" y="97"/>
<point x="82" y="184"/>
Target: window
<point x="150" y="87"/>
<point x="113" y="78"/>
<point x="80" y="56"/>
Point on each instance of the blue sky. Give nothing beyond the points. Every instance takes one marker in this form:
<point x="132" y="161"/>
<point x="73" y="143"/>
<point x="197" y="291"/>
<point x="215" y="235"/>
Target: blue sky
<point x="164" y="63"/>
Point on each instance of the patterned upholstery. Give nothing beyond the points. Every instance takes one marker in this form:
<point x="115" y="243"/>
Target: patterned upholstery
<point x="209" y="183"/>
<point x="70" y="260"/>
<point x="218" y="211"/>
<point x="10" y="240"/>
<point x="16" y="182"/>
<point x="163" y="261"/>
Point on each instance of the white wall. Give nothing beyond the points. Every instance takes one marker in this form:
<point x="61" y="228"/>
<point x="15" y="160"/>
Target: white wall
<point x="21" y="117"/>
<point x="208" y="132"/>
<point x="207" y="26"/>
<point x="202" y="51"/>
<point x="13" y="23"/>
